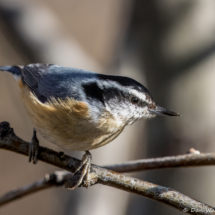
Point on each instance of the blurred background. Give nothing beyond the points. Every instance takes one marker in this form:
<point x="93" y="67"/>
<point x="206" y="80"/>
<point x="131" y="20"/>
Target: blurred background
<point x="169" y="46"/>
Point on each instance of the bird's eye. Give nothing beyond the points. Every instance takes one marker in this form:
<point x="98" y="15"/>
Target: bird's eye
<point x="134" y="100"/>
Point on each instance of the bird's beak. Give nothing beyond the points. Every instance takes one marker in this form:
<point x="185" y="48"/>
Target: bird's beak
<point x="163" y="111"/>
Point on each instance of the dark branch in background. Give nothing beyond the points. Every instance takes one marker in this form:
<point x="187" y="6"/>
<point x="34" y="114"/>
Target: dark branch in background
<point x="9" y="141"/>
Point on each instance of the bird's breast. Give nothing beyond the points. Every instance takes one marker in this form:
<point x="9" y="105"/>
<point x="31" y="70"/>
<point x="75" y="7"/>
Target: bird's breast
<point x="69" y="123"/>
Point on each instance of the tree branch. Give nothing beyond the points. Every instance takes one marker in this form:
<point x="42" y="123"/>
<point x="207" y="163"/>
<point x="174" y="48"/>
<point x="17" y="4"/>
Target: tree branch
<point x="187" y="160"/>
<point x="9" y="141"/>
<point x="58" y="178"/>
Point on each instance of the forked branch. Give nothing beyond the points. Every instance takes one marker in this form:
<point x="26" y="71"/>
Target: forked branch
<point x="9" y="141"/>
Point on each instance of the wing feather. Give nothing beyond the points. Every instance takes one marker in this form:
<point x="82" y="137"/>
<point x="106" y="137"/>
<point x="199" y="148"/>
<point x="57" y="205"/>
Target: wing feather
<point x="48" y="80"/>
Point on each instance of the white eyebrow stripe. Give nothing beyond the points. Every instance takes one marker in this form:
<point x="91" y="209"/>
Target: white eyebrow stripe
<point x="138" y="94"/>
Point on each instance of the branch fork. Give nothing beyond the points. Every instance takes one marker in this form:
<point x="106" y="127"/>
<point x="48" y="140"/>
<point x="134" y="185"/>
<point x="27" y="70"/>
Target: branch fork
<point x="9" y="141"/>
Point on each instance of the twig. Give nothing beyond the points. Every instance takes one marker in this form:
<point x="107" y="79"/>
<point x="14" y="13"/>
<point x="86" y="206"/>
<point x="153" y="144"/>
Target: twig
<point x="159" y="193"/>
<point x="187" y="160"/>
<point x="9" y="141"/>
<point x="58" y="178"/>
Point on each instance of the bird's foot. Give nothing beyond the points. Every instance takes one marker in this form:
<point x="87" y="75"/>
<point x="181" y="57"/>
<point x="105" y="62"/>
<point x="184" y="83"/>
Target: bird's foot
<point x="33" y="148"/>
<point x="84" y="177"/>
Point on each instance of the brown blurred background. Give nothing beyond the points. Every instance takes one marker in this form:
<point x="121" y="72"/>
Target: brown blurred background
<point x="169" y="46"/>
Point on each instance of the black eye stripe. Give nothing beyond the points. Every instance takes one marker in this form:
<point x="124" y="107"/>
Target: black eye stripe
<point x="93" y="91"/>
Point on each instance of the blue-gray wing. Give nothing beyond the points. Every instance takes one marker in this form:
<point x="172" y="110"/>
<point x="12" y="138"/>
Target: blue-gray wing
<point x="48" y="80"/>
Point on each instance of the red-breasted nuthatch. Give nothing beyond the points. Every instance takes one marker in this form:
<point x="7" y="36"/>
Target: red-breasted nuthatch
<point x="80" y="110"/>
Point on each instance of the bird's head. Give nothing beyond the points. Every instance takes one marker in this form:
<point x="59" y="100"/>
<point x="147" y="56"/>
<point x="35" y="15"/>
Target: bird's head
<point x="124" y="98"/>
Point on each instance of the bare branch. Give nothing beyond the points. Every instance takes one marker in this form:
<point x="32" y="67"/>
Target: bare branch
<point x="187" y="160"/>
<point x="9" y="141"/>
<point x="58" y="178"/>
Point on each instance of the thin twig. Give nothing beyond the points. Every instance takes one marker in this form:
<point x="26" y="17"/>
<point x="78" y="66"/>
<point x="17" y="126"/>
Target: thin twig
<point x="58" y="178"/>
<point x="9" y="141"/>
<point x="187" y="160"/>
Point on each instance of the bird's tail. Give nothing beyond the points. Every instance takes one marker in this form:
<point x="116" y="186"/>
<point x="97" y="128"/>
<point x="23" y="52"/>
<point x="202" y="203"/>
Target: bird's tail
<point x="15" y="70"/>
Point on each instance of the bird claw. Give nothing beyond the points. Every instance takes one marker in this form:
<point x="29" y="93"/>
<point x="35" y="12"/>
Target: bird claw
<point x="86" y="164"/>
<point x="33" y="148"/>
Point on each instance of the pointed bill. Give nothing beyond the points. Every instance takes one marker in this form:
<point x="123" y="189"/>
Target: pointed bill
<point x="163" y="111"/>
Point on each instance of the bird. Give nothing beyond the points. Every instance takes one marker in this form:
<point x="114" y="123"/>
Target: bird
<point x="80" y="110"/>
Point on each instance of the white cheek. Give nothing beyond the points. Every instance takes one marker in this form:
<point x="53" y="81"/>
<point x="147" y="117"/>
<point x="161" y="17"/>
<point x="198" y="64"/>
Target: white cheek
<point x="144" y="109"/>
<point x="133" y="115"/>
<point x="121" y="114"/>
<point x="140" y="113"/>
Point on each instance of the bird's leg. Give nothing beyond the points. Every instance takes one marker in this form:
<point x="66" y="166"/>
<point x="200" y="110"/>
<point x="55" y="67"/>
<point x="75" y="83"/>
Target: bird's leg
<point x="86" y="164"/>
<point x="33" y="148"/>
